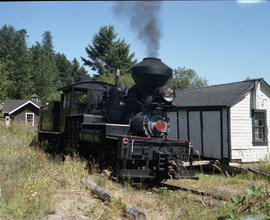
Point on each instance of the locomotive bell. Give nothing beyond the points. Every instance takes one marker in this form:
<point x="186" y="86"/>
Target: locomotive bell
<point x="150" y="74"/>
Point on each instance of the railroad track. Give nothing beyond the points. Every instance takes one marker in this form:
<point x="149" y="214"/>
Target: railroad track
<point x="193" y="191"/>
<point x="134" y="213"/>
<point x="253" y="170"/>
<point x="140" y="185"/>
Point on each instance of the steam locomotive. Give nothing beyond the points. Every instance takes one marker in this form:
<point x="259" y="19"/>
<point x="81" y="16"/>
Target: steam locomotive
<point x="126" y="129"/>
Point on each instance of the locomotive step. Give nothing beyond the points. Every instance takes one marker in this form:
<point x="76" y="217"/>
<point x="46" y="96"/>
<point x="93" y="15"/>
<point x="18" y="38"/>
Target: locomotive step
<point x="134" y="173"/>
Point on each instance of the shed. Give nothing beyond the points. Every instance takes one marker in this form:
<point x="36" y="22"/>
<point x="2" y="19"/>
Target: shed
<point x="22" y="111"/>
<point x="227" y="121"/>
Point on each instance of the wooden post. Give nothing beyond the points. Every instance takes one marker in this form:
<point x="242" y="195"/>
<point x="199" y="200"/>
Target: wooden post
<point x="103" y="194"/>
<point x="134" y="213"/>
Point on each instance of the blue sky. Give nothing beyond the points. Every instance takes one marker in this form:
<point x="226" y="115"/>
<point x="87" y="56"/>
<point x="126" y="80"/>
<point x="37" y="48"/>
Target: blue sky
<point x="223" y="41"/>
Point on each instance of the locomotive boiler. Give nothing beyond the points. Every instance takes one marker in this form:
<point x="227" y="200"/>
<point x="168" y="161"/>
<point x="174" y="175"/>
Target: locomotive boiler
<point x="125" y="129"/>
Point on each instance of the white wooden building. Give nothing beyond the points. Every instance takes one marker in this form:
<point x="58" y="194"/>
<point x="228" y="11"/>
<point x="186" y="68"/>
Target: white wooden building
<point x="228" y="121"/>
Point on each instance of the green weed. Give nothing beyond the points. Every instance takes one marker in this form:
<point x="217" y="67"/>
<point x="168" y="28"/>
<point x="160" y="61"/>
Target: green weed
<point x="256" y="204"/>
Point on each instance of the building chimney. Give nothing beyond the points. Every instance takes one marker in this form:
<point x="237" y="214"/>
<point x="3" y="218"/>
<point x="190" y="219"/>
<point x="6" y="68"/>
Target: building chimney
<point x="35" y="98"/>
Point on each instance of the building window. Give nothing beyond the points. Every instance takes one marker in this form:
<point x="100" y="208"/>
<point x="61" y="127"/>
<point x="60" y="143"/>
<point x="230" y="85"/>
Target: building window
<point x="259" y="127"/>
<point x="29" y="119"/>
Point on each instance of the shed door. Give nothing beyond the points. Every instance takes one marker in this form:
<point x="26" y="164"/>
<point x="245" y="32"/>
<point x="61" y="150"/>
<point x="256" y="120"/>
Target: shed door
<point x="173" y="123"/>
<point x="211" y="134"/>
<point x="195" y="130"/>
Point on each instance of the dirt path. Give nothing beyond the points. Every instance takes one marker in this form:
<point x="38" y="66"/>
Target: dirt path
<point x="70" y="205"/>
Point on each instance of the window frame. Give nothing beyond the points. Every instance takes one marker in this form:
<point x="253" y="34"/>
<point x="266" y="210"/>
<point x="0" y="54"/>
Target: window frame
<point x="29" y="113"/>
<point x="265" y="141"/>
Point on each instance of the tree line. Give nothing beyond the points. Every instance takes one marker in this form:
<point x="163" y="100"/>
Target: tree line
<point x="39" y="69"/>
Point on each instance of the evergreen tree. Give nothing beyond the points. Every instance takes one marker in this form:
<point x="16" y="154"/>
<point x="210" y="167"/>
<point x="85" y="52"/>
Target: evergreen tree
<point x="36" y="70"/>
<point x="68" y="72"/>
<point x="44" y="69"/>
<point x="14" y="55"/>
<point x="64" y="70"/>
<point x="77" y="70"/>
<point x="107" y="54"/>
<point x="47" y="41"/>
<point x="4" y="83"/>
<point x="126" y="80"/>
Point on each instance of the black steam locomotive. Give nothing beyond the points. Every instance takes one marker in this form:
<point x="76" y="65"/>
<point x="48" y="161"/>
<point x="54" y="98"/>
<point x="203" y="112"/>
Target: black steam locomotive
<point x="124" y="129"/>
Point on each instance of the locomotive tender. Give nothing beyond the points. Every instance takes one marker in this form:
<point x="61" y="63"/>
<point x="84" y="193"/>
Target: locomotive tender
<point x="124" y="129"/>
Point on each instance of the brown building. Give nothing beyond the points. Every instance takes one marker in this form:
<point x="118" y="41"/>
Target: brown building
<point x="22" y="110"/>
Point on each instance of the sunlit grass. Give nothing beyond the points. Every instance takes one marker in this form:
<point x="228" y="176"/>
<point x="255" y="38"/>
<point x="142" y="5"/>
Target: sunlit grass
<point x="28" y="177"/>
<point x="33" y="185"/>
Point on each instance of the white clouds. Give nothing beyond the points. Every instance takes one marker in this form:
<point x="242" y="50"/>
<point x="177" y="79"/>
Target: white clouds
<point x="249" y="1"/>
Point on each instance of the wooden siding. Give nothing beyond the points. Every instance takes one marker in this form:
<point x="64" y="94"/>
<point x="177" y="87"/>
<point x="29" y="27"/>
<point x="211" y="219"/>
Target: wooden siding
<point x="241" y="124"/>
<point x="263" y="103"/>
<point x="20" y="114"/>
<point x="242" y="147"/>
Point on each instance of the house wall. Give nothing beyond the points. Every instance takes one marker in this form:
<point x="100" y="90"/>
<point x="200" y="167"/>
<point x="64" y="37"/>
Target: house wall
<point x="242" y="147"/>
<point x="20" y="114"/>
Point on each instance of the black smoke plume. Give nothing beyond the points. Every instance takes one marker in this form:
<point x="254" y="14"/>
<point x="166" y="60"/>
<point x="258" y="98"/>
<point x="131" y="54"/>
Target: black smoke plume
<point x="144" y="19"/>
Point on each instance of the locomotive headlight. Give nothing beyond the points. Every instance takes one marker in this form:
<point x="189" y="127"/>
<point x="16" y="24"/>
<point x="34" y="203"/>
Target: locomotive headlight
<point x="168" y="94"/>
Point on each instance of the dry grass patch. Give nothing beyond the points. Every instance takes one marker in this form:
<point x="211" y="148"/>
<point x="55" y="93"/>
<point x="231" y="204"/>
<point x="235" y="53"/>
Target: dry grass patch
<point x="161" y="203"/>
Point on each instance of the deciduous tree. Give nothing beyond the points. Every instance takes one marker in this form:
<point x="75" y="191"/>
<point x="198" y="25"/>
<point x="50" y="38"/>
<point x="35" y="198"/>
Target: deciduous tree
<point x="186" y="78"/>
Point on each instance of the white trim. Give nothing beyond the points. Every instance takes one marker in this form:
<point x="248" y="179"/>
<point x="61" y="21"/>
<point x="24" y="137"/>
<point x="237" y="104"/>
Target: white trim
<point x="30" y="113"/>
<point x="24" y="104"/>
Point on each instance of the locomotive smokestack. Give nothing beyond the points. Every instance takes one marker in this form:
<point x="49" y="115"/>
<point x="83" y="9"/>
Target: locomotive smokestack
<point x="150" y="74"/>
<point x="144" y="19"/>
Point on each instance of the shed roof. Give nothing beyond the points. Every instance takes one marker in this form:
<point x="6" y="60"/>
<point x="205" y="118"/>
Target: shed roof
<point x="12" y="105"/>
<point x="216" y="95"/>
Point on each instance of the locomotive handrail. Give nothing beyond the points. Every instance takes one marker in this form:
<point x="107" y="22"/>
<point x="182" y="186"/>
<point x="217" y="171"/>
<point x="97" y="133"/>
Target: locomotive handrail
<point x="145" y="104"/>
<point x="161" y="139"/>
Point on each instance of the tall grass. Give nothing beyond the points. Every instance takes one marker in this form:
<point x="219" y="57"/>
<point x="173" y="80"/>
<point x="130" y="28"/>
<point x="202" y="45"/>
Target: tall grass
<point x="28" y="177"/>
